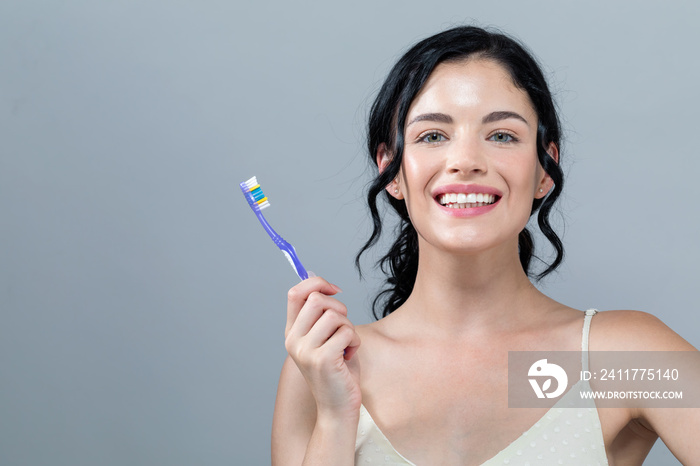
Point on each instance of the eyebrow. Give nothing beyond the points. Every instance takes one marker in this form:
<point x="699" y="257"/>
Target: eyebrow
<point x="490" y="118"/>
<point x="438" y="117"/>
<point x="502" y="115"/>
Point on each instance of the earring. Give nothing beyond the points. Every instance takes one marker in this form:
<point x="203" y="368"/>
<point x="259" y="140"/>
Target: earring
<point x="541" y="190"/>
<point x="396" y="190"/>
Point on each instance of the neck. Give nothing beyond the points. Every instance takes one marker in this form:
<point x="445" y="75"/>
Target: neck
<point x="479" y="293"/>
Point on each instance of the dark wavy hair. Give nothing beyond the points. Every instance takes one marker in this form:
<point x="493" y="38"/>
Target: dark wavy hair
<point x="386" y="127"/>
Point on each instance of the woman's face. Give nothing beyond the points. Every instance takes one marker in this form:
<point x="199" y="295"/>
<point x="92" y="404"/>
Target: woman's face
<point x="470" y="170"/>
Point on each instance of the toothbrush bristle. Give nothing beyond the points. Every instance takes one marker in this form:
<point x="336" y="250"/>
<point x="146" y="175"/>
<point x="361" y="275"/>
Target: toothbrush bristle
<point x="255" y="191"/>
<point x="251" y="182"/>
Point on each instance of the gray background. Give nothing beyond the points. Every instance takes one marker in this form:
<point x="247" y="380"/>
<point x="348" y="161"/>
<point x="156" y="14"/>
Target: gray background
<point x="143" y="307"/>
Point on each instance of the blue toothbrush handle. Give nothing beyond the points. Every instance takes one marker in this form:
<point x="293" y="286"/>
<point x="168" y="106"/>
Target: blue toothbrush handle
<point x="284" y="246"/>
<point x="291" y="255"/>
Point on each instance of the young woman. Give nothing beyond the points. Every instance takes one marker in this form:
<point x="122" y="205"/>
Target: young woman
<point x="466" y="140"/>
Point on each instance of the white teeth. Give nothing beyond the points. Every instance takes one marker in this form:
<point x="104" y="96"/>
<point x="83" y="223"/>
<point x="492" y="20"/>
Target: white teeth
<point x="462" y="200"/>
<point x="464" y="206"/>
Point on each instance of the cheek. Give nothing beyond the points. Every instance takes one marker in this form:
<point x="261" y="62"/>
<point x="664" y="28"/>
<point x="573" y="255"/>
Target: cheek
<point x="520" y="173"/>
<point x="412" y="176"/>
<point x="411" y="184"/>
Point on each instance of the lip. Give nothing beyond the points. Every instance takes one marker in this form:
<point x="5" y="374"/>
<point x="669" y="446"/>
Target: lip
<point x="467" y="189"/>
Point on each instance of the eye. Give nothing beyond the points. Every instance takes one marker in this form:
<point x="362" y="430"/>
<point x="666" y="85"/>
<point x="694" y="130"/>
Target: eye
<point x="502" y="138"/>
<point x="432" y="137"/>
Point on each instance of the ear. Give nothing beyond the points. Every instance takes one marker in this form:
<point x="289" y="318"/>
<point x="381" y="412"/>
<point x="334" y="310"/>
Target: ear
<point x="546" y="183"/>
<point x="383" y="157"/>
<point x="383" y="160"/>
<point x="553" y="151"/>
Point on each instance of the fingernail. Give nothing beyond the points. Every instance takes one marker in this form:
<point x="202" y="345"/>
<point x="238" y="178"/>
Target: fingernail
<point x="310" y="274"/>
<point x="337" y="288"/>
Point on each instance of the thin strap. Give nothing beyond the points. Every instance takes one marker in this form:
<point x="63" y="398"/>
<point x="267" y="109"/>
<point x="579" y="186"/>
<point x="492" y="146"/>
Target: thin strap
<point x="584" y="338"/>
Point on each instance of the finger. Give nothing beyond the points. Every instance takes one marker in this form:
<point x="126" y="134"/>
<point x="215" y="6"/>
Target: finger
<point x="351" y="349"/>
<point x="297" y="296"/>
<point x="326" y="325"/>
<point x="345" y="340"/>
<point x="316" y="304"/>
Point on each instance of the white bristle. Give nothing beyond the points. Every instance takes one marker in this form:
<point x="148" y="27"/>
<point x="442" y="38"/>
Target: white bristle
<point x="251" y="182"/>
<point x="264" y="205"/>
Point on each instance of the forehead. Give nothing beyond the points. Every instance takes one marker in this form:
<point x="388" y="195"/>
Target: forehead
<point x="478" y="85"/>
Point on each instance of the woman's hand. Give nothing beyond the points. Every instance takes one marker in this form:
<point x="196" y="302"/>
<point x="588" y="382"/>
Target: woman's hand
<point x="322" y="341"/>
<point x="318" y="399"/>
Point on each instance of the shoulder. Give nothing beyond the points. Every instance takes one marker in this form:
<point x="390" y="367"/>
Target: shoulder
<point x="371" y="331"/>
<point x="635" y="331"/>
<point x="628" y="330"/>
<point x="380" y="353"/>
<point x="373" y="338"/>
<point x="381" y="335"/>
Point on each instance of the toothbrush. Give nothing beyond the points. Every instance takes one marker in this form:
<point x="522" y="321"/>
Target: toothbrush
<point x="257" y="200"/>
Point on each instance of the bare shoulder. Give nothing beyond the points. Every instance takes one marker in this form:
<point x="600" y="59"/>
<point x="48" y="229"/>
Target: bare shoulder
<point x="370" y="332"/>
<point x="294" y="418"/>
<point x="371" y="336"/>
<point x="628" y="330"/>
<point x="377" y="354"/>
<point x="641" y="331"/>
<point x="377" y="336"/>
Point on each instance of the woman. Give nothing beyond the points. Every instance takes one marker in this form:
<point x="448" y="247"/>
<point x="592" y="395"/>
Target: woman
<point x="466" y="140"/>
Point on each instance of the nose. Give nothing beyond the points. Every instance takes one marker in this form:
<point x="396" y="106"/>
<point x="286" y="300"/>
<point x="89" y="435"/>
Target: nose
<point x="466" y="156"/>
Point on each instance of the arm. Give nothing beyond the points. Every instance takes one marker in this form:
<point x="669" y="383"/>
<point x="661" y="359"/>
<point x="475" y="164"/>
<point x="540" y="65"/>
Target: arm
<point x="318" y="399"/>
<point x="297" y="438"/>
<point x="677" y="427"/>
<point x="639" y="331"/>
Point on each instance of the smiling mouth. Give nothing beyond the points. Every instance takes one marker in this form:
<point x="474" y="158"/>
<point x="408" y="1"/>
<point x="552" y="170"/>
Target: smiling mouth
<point x="466" y="201"/>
